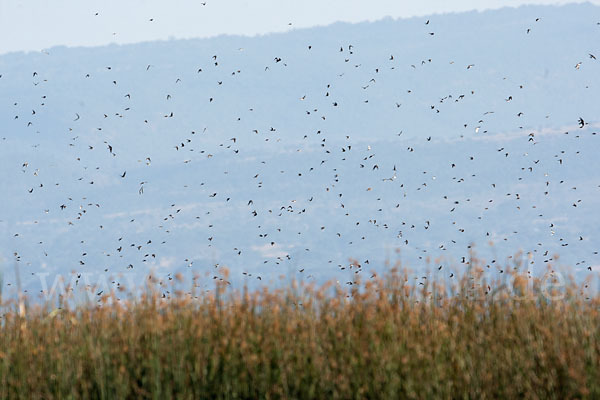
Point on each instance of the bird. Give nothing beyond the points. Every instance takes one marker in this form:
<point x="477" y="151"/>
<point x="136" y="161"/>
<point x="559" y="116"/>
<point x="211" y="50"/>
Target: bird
<point x="311" y="174"/>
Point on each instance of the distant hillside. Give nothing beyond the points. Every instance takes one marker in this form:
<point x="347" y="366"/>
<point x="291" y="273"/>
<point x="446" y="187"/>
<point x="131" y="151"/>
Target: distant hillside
<point x="297" y="151"/>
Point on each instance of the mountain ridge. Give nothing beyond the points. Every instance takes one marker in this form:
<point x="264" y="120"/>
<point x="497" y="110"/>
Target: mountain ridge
<point x="392" y="143"/>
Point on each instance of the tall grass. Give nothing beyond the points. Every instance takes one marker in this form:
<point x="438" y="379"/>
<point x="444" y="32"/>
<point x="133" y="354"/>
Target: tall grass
<point x="384" y="338"/>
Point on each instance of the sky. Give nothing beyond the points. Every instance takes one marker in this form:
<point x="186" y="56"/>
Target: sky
<point x="35" y="25"/>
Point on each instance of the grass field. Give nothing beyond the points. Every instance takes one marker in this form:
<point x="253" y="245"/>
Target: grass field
<point x="389" y="337"/>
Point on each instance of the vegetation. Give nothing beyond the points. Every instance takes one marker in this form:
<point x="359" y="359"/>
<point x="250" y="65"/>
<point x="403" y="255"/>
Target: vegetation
<point x="384" y="338"/>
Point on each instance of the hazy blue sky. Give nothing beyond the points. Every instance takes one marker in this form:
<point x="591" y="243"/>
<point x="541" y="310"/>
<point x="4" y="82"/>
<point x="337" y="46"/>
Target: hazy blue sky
<point x="32" y="25"/>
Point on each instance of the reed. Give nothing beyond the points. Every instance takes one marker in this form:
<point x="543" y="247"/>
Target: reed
<point x="387" y="337"/>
